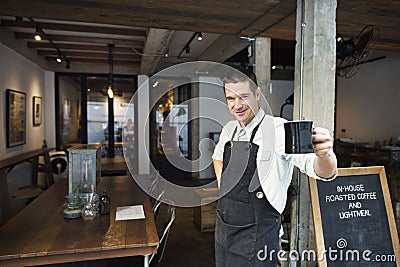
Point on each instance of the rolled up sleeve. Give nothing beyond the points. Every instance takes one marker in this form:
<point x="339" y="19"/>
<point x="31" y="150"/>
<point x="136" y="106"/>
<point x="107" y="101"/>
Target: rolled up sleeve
<point x="219" y="147"/>
<point x="305" y="163"/>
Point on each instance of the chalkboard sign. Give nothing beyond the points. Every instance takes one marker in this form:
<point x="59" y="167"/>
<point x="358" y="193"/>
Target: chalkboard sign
<point x="353" y="219"/>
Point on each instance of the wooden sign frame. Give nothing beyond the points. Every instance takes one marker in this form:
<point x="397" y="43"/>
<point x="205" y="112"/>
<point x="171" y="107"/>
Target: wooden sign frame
<point x="316" y="210"/>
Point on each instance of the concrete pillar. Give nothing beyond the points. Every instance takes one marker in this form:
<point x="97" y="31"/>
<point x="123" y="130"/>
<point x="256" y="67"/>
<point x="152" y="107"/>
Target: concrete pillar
<point x="314" y="91"/>
<point x="263" y="63"/>
<point x="157" y="43"/>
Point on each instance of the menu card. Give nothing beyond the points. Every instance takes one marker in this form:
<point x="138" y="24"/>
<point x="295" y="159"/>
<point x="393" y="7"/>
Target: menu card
<point x="129" y="213"/>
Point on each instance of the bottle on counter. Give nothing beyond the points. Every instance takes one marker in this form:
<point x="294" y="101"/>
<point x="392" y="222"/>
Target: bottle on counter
<point x="105" y="208"/>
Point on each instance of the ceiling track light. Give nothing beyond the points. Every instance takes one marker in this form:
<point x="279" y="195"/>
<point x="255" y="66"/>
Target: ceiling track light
<point x="199" y="36"/>
<point x="186" y="48"/>
<point x="37" y="36"/>
<point x="59" y="57"/>
<point x="40" y="34"/>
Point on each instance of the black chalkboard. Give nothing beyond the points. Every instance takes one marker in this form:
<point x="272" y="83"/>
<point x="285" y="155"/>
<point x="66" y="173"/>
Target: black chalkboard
<point x="353" y="219"/>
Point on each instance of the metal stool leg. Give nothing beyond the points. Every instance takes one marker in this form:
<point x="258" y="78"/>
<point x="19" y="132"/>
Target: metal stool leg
<point x="146" y="260"/>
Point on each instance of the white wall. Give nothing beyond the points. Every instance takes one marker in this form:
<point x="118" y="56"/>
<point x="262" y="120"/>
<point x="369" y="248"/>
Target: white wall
<point x="22" y="75"/>
<point x="50" y="114"/>
<point x="368" y="106"/>
<point x="276" y="96"/>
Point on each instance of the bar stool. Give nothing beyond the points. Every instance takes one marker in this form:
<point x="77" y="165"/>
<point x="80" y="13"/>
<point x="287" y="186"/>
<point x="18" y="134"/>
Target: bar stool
<point x="30" y="192"/>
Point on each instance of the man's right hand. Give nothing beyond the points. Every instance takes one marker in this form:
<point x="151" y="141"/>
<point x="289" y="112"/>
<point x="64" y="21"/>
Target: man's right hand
<point x="218" y="164"/>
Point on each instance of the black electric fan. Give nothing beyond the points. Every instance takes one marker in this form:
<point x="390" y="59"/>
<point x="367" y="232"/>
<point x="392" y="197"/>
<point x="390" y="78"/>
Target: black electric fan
<point x="352" y="53"/>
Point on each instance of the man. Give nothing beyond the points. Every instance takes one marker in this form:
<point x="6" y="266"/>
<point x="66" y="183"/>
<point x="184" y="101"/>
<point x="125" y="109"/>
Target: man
<point x="254" y="174"/>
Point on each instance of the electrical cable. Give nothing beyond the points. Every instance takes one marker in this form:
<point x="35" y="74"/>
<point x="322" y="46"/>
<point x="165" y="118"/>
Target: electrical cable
<point x="48" y="38"/>
<point x="302" y="33"/>
<point x="148" y="55"/>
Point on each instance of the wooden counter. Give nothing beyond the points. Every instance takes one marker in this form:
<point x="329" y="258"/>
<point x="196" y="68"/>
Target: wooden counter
<point x="39" y="234"/>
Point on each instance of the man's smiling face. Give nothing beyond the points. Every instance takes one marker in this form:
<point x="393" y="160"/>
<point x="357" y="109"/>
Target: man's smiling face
<point x="242" y="101"/>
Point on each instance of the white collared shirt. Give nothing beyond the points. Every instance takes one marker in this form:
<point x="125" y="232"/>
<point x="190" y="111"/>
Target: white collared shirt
<point x="275" y="168"/>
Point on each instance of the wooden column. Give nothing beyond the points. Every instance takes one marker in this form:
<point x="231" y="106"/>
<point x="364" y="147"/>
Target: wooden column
<point x="314" y="92"/>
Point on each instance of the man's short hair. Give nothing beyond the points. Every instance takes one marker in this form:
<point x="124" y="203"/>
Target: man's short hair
<point x="241" y="75"/>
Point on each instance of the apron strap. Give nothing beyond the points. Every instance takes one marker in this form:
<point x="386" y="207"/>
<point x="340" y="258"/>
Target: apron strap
<point x="233" y="135"/>
<point x="253" y="133"/>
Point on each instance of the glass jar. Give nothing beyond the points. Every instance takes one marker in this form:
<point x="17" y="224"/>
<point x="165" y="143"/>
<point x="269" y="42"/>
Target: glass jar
<point x="73" y="207"/>
<point x="89" y="211"/>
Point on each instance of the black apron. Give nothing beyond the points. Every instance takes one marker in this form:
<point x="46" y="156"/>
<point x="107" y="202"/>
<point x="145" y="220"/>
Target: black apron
<point x="247" y="226"/>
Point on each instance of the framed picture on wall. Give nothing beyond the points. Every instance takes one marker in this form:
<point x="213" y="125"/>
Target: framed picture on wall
<point x="15" y="118"/>
<point x="37" y="110"/>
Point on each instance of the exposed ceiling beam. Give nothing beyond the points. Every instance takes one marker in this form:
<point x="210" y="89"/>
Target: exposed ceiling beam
<point x="226" y="17"/>
<point x="393" y="46"/>
<point x="69" y="54"/>
<point x="80" y="39"/>
<point x="272" y="17"/>
<point x="94" y="60"/>
<point x="94" y="68"/>
<point x="19" y="46"/>
<point x="157" y="44"/>
<point x="223" y="48"/>
<point x="76" y="28"/>
<point x="80" y="47"/>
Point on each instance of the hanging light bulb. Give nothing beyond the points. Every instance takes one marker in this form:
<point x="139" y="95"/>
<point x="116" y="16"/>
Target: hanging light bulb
<point x="38" y="37"/>
<point x="110" y="87"/>
<point x="110" y="92"/>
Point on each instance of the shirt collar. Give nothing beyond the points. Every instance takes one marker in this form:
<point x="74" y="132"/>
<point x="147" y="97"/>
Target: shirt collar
<point x="254" y="122"/>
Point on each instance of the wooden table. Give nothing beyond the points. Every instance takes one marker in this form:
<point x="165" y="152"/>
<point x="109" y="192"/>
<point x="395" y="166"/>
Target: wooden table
<point x="371" y="155"/>
<point x="39" y="234"/>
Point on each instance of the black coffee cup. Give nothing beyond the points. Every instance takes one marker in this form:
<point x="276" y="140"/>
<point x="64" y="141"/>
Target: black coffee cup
<point x="298" y="137"/>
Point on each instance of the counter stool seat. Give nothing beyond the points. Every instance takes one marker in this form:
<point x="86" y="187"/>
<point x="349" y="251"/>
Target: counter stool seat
<point x="28" y="192"/>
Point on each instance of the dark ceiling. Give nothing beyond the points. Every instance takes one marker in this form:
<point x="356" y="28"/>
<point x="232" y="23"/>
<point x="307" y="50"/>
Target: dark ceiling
<point x="82" y="29"/>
